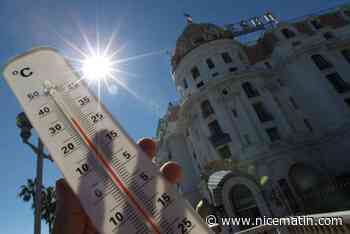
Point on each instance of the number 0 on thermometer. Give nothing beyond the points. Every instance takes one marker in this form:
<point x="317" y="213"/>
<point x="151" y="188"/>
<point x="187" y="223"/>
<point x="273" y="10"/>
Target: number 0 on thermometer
<point x="119" y="188"/>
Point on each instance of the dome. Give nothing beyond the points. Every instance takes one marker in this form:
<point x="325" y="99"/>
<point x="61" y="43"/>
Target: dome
<point x="195" y="35"/>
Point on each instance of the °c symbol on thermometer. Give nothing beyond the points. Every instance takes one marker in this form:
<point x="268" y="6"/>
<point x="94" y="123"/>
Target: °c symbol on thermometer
<point x="24" y="72"/>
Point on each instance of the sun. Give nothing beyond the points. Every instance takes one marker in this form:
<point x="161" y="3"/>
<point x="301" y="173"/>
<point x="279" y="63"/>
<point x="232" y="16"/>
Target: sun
<point x="100" y="64"/>
<point x="96" y="68"/>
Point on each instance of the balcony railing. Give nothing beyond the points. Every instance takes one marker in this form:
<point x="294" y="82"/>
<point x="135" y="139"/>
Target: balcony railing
<point x="220" y="139"/>
<point x="322" y="229"/>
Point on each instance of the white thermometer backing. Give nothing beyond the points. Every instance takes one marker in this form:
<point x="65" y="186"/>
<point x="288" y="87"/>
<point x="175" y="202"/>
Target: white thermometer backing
<point x="118" y="186"/>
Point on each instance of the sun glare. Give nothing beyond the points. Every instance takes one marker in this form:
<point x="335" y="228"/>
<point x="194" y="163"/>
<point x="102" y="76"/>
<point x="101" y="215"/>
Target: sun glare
<point x="97" y="67"/>
<point x="100" y="64"/>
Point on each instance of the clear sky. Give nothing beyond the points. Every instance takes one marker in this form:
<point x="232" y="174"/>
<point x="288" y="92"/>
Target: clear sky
<point x="143" y="26"/>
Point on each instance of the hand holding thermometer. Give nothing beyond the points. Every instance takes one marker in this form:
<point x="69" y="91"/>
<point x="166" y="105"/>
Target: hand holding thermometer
<point x="120" y="189"/>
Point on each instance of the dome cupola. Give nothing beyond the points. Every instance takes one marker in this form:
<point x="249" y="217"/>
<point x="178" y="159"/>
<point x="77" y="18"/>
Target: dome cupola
<point x="195" y="35"/>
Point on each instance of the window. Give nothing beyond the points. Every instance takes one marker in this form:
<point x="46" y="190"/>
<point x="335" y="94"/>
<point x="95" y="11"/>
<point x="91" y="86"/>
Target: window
<point x="287" y="192"/>
<point x="244" y="204"/>
<point x="185" y="83"/>
<point x="287" y="33"/>
<point x="226" y="57"/>
<point x="233" y="69"/>
<point x="210" y="63"/>
<point x="346" y="54"/>
<point x="200" y="84"/>
<point x="224" y="92"/>
<point x="214" y="128"/>
<point x="280" y="82"/>
<point x="194" y="156"/>
<point x="316" y="23"/>
<point x="170" y="157"/>
<point x="240" y="56"/>
<point x="234" y="112"/>
<point x="206" y="109"/>
<point x="215" y="74"/>
<point x="224" y="152"/>
<point x="195" y="73"/>
<point x="308" y="125"/>
<point x="308" y="183"/>
<point x="198" y="40"/>
<point x="347" y="101"/>
<point x="321" y="62"/>
<point x="262" y="113"/>
<point x="338" y="83"/>
<point x="249" y="90"/>
<point x="328" y="35"/>
<point x="347" y="13"/>
<point x="247" y="139"/>
<point x="268" y="65"/>
<point x="273" y="134"/>
<point x="294" y="104"/>
<point x="296" y="43"/>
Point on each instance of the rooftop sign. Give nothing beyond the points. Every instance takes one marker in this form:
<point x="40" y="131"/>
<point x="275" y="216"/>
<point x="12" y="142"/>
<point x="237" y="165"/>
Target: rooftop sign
<point x="253" y="24"/>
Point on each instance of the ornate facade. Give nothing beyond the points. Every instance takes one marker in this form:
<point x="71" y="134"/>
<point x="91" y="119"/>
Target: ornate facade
<point x="263" y="129"/>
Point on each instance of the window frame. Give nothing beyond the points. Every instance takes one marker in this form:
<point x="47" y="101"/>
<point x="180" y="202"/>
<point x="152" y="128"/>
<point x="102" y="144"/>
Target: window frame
<point x="221" y="153"/>
<point x="288" y="33"/>
<point x="346" y="54"/>
<point x="321" y="62"/>
<point x="210" y="63"/>
<point x="262" y="113"/>
<point x="338" y="83"/>
<point x="195" y="72"/>
<point x="250" y="90"/>
<point x="215" y="131"/>
<point x="273" y="134"/>
<point x="226" y="57"/>
<point x="185" y="83"/>
<point x="316" y="24"/>
<point x="206" y="108"/>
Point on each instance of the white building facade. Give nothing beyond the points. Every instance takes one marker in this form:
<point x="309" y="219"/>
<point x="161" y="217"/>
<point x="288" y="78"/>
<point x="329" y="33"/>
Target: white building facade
<point x="263" y="129"/>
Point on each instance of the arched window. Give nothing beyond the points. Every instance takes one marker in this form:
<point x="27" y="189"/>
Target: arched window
<point x="310" y="185"/>
<point x="287" y="33"/>
<point x="321" y="62"/>
<point x="250" y="90"/>
<point x="206" y="108"/>
<point x="244" y="203"/>
<point x="210" y="63"/>
<point x="195" y="72"/>
<point x="316" y="24"/>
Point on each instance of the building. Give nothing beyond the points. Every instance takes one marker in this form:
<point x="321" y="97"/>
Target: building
<point x="263" y="129"/>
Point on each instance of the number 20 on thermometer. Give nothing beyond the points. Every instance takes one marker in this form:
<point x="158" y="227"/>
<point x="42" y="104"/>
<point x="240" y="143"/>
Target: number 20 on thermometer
<point x="119" y="188"/>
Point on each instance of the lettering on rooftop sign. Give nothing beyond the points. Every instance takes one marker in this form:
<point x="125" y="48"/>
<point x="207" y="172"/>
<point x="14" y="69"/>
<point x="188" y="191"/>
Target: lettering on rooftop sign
<point x="252" y="24"/>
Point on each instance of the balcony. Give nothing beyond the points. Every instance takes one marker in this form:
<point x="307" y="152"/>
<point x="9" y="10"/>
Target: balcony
<point x="220" y="139"/>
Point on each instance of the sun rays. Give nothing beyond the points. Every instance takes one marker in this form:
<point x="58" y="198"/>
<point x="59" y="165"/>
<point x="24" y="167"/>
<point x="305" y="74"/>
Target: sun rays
<point x="99" y="64"/>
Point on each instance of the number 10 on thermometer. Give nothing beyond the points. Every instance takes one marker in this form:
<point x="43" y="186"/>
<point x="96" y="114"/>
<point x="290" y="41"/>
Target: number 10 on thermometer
<point x="118" y="187"/>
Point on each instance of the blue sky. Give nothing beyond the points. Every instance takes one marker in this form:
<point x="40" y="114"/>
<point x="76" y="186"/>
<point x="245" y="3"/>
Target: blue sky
<point x="143" y="26"/>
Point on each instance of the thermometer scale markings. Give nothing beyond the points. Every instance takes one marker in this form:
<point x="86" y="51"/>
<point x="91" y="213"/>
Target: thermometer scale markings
<point x="115" y="178"/>
<point x="61" y="104"/>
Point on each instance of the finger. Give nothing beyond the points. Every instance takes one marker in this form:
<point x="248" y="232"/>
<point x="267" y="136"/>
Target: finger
<point x="66" y="196"/>
<point x="70" y="217"/>
<point x="172" y="172"/>
<point x="148" y="146"/>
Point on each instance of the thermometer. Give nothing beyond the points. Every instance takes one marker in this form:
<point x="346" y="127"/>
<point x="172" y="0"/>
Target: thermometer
<point x="120" y="189"/>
